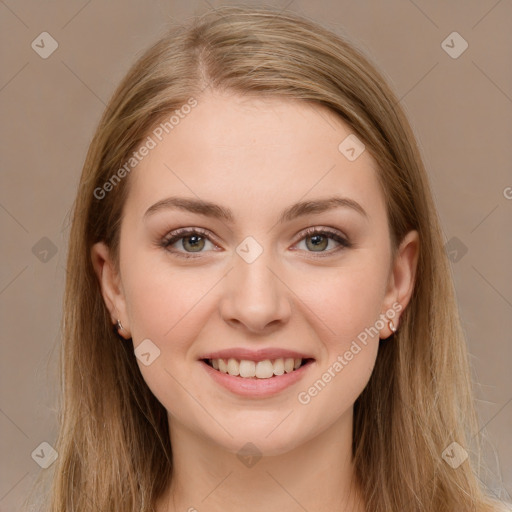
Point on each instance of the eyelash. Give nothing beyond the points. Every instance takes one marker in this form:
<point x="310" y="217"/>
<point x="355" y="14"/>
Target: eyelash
<point x="174" y="236"/>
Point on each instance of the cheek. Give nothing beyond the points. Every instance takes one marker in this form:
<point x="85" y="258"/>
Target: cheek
<point x="347" y="307"/>
<point x="162" y="299"/>
<point x="168" y="306"/>
<point x="348" y="300"/>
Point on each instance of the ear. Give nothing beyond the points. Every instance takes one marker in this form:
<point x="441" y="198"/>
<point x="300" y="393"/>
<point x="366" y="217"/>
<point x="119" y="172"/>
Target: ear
<point x="402" y="278"/>
<point x="111" y="288"/>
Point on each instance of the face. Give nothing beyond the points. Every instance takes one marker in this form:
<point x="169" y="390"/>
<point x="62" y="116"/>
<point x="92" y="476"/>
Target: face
<point x="256" y="279"/>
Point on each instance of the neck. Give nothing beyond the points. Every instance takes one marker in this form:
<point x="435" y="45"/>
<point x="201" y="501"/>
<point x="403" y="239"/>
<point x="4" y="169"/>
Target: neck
<point x="316" y="475"/>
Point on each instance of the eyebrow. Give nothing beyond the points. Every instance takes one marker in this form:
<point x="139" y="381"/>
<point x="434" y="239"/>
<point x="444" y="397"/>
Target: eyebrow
<point x="216" y="211"/>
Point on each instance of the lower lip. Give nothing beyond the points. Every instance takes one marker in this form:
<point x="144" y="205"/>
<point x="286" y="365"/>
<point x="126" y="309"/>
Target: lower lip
<point x="254" y="387"/>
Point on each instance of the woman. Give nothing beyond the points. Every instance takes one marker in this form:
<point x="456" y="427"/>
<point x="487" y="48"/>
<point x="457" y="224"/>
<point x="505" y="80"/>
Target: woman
<point x="212" y="359"/>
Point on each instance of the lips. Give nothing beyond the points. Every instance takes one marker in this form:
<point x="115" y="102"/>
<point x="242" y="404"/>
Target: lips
<point x="265" y="383"/>
<point x="239" y="364"/>
<point x="255" y="355"/>
<point x="263" y="364"/>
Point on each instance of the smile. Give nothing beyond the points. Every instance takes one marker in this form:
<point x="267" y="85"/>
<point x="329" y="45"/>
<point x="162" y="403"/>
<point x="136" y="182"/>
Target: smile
<point x="256" y="379"/>
<point x="248" y="369"/>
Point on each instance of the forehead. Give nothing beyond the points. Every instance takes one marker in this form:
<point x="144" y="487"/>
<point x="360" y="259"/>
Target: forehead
<point x="254" y="153"/>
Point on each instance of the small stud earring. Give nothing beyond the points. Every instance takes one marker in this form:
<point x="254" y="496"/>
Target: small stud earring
<point x="391" y="326"/>
<point x="119" y="325"/>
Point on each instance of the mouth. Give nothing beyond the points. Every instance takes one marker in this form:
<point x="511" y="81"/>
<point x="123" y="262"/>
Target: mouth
<point x="255" y="370"/>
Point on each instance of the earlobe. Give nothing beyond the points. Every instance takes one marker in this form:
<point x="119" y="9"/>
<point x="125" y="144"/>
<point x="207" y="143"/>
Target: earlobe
<point x="109" y="281"/>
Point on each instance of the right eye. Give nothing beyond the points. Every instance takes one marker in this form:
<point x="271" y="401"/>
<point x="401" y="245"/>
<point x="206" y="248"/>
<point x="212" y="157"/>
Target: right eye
<point x="193" y="240"/>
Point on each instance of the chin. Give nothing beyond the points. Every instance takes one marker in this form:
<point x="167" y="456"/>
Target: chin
<point x="261" y="441"/>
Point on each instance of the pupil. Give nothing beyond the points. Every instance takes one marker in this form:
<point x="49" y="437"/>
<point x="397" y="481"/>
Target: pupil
<point x="195" y="241"/>
<point x="317" y="241"/>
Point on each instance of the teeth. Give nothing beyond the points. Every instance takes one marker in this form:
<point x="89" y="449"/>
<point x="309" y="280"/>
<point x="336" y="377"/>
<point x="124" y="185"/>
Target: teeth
<point x="261" y="369"/>
<point x="247" y="369"/>
<point x="223" y="367"/>
<point x="264" y="369"/>
<point x="279" y="366"/>
<point x="233" y="367"/>
<point x="288" y="365"/>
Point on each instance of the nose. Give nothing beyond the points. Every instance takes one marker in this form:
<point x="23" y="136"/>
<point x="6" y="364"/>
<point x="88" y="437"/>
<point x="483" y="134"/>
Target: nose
<point x="255" y="298"/>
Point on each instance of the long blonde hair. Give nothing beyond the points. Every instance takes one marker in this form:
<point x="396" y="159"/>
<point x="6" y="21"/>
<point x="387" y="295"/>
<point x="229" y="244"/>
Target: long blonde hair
<point x="113" y="444"/>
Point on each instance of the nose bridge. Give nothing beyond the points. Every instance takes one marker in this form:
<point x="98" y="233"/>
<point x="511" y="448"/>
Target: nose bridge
<point x="254" y="296"/>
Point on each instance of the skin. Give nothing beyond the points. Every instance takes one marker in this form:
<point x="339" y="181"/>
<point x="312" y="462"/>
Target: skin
<point x="257" y="156"/>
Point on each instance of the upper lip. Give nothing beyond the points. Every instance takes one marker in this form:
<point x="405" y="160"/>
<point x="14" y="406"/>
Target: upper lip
<point x="255" y="355"/>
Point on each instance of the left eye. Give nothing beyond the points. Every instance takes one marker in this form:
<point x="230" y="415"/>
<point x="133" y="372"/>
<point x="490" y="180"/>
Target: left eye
<point x="319" y="240"/>
<point x="194" y="241"/>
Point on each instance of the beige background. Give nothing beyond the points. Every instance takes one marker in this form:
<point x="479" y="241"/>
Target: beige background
<point x="461" y="110"/>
